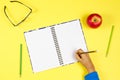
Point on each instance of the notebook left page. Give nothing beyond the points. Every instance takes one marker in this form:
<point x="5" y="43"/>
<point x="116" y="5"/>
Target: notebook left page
<point x="41" y="49"/>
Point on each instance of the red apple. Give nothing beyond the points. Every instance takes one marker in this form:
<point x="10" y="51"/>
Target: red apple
<point x="94" y="20"/>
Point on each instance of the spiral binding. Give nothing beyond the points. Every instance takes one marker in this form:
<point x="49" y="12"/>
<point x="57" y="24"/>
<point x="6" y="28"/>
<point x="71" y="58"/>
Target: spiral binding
<point x="57" y="45"/>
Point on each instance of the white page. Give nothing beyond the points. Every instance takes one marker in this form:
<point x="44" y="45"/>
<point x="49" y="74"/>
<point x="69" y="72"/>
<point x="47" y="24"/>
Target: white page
<point x="70" y="38"/>
<point x="41" y="49"/>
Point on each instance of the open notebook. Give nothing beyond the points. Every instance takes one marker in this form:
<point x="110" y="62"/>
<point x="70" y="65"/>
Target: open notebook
<point x="54" y="46"/>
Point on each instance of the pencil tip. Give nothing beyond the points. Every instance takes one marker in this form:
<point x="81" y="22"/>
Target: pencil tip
<point x="96" y="50"/>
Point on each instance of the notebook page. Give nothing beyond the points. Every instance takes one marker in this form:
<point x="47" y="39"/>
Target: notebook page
<point x="70" y="38"/>
<point x="41" y="49"/>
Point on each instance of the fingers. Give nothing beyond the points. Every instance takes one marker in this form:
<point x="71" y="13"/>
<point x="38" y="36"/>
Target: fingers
<point x="80" y="56"/>
<point x="80" y="51"/>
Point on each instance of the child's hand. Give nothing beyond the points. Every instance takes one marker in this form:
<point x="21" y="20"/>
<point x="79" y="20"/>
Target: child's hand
<point x="85" y="60"/>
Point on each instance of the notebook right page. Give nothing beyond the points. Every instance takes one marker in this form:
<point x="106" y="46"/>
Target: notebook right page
<point x="70" y="38"/>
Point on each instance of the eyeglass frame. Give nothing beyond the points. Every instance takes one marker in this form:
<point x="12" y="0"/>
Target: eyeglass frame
<point x="22" y="19"/>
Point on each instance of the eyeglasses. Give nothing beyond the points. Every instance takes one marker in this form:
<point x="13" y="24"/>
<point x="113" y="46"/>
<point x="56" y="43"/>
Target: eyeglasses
<point x="22" y="19"/>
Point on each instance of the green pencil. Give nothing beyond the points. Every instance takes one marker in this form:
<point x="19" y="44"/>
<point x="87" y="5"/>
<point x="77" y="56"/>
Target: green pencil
<point x="110" y="38"/>
<point x="20" y="60"/>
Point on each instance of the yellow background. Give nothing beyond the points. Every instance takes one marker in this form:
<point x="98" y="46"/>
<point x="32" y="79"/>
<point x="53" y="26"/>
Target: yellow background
<point x="49" y="12"/>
